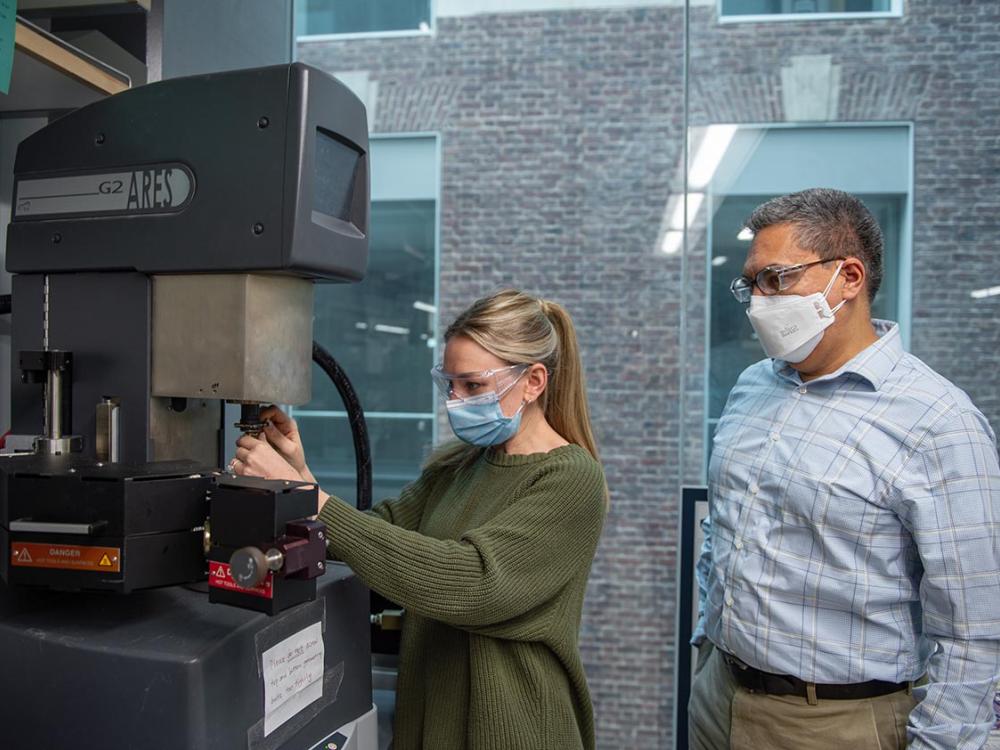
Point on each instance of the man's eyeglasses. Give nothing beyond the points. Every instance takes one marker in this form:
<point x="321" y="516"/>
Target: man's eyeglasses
<point x="771" y="280"/>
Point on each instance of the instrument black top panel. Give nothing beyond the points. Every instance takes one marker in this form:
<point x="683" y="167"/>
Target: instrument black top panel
<point x="263" y="169"/>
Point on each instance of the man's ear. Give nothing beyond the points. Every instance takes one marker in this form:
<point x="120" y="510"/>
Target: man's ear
<point x="855" y="278"/>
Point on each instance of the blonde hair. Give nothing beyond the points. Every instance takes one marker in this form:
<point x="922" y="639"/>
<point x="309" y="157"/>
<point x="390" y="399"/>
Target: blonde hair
<point x="521" y="329"/>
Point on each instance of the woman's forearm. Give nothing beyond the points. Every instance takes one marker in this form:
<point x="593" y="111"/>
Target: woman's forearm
<point x="323" y="497"/>
<point x="307" y="475"/>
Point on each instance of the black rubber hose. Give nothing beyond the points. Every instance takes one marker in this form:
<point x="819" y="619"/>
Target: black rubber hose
<point x="356" y="418"/>
<point x="4" y="304"/>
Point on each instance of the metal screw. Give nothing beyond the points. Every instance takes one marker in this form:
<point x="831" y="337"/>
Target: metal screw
<point x="320" y="535"/>
<point x="99" y="139"/>
<point x="319" y="565"/>
<point x="56" y="238"/>
<point x="72" y="471"/>
<point x="258" y="228"/>
<point x="263" y="122"/>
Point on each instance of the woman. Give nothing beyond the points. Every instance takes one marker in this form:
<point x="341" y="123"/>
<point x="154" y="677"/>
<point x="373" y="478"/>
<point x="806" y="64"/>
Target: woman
<point x="490" y="549"/>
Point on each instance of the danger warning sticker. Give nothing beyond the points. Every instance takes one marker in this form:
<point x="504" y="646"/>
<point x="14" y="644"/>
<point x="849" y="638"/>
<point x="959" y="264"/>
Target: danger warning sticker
<point x="220" y="577"/>
<point x="66" y="557"/>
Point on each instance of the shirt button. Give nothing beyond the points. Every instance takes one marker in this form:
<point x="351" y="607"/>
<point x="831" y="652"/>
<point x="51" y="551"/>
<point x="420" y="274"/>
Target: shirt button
<point x="754" y="489"/>
<point x="775" y="436"/>
<point x="729" y="601"/>
<point x="803" y="389"/>
<point x="738" y="545"/>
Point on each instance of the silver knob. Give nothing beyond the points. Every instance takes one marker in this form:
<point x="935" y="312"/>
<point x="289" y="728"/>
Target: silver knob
<point x="249" y="566"/>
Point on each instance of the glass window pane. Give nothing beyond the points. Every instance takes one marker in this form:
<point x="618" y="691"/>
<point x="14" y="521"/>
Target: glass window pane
<point x="381" y="331"/>
<point x="314" y="17"/>
<point x="777" y="7"/>
<point x="399" y="447"/>
<point x="737" y="169"/>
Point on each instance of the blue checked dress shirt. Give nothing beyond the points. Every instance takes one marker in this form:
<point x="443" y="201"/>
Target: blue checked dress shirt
<point x="854" y="535"/>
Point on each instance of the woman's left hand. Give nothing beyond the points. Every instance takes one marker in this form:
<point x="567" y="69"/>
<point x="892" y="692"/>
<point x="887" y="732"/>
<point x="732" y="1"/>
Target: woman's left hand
<point x="256" y="458"/>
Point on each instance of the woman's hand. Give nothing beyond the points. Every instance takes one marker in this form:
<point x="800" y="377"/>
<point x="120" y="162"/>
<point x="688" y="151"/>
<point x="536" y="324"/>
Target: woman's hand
<point x="256" y="458"/>
<point x="282" y="433"/>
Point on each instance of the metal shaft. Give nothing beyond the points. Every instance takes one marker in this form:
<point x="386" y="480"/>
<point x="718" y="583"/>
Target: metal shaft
<point x="106" y="446"/>
<point x="53" y="394"/>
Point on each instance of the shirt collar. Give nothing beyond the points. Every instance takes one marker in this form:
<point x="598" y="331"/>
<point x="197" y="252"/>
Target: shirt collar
<point x="873" y="364"/>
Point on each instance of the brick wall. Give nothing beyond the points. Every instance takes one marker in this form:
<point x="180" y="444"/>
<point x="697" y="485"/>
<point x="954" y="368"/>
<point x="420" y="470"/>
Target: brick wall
<point x="562" y="136"/>
<point x="935" y="67"/>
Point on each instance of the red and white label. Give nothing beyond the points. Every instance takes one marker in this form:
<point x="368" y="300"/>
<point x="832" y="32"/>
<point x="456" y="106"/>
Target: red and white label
<point x="66" y="557"/>
<point x="220" y="577"/>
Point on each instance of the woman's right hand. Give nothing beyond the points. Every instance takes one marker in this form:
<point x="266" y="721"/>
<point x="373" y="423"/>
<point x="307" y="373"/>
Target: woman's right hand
<point x="283" y="435"/>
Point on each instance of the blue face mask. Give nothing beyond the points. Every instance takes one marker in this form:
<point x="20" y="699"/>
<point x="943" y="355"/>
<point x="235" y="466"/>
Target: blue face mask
<point x="481" y="421"/>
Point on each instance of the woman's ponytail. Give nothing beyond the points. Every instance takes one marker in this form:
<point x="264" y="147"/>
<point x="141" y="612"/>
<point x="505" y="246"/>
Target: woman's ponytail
<point x="565" y="399"/>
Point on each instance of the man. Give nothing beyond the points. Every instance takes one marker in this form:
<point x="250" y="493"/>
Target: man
<point x="852" y="542"/>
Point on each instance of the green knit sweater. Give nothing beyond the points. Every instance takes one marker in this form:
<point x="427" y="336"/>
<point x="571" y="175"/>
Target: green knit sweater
<point x="491" y="565"/>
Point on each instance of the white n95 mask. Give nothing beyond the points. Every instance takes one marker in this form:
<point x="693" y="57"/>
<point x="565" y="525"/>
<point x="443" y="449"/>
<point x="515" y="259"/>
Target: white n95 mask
<point x="790" y="326"/>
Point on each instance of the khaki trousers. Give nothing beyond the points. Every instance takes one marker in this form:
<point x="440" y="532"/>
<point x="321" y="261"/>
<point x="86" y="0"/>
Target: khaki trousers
<point x="724" y="716"/>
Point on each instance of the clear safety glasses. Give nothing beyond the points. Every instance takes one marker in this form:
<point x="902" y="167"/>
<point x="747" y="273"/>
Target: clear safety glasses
<point x="474" y="385"/>
<point x="771" y="279"/>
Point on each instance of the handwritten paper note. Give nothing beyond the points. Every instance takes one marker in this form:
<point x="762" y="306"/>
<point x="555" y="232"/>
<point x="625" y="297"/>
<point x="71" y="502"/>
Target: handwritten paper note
<point x="293" y="676"/>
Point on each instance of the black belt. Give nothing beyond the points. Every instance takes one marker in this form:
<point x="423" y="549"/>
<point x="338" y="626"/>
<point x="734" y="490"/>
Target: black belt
<point x="758" y="681"/>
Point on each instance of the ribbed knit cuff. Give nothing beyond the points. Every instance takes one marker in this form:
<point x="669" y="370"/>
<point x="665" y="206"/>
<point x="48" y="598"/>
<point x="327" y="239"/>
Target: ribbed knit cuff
<point x="337" y="516"/>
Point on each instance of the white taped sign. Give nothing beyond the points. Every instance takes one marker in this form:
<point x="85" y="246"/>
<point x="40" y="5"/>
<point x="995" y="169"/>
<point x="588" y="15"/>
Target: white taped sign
<point x="293" y="675"/>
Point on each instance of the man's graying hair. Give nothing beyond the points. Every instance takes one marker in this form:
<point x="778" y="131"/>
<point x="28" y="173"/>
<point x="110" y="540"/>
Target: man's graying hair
<point x="830" y="223"/>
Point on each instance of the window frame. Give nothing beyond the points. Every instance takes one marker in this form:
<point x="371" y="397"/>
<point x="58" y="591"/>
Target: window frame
<point x="359" y="35"/>
<point x="895" y="11"/>
<point x="905" y="293"/>
<point x="432" y="414"/>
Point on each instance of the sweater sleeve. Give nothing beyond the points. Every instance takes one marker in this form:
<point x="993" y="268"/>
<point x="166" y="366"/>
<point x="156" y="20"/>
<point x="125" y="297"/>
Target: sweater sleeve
<point x="498" y="571"/>
<point x="406" y="510"/>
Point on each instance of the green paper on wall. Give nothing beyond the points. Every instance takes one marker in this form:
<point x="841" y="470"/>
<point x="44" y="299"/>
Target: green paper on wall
<point x="8" y="10"/>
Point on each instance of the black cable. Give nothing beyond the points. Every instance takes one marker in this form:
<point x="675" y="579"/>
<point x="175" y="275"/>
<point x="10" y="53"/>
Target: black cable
<point x="356" y="418"/>
<point x="4" y="304"/>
